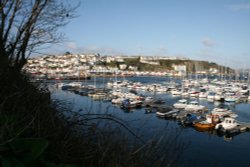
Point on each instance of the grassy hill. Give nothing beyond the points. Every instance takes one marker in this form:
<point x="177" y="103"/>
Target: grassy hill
<point x="164" y="65"/>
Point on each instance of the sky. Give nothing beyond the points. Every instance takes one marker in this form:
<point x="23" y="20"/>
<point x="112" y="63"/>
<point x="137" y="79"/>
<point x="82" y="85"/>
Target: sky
<point x="210" y="30"/>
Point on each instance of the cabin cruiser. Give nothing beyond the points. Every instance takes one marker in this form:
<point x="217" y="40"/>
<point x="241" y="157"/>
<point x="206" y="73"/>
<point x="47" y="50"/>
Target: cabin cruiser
<point x="194" y="106"/>
<point x="222" y="112"/>
<point x="165" y="111"/>
<point x="181" y="104"/>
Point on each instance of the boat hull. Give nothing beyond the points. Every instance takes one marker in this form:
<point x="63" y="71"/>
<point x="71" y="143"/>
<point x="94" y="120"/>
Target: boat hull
<point x="204" y="127"/>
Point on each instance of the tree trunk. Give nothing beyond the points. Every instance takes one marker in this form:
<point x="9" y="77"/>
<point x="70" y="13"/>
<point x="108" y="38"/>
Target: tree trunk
<point x="3" y="62"/>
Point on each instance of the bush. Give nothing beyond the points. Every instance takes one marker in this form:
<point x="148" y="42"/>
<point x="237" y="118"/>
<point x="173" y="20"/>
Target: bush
<point x="34" y="132"/>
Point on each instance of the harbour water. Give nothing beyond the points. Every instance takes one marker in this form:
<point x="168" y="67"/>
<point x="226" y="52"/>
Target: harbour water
<point x="204" y="149"/>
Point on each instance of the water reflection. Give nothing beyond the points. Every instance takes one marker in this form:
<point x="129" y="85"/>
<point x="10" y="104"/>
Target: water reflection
<point x="205" y="145"/>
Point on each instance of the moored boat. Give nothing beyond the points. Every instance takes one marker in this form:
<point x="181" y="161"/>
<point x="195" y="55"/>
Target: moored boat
<point x="222" y="112"/>
<point x="181" y="104"/>
<point x="208" y="124"/>
<point x="165" y="111"/>
<point x="228" y="124"/>
<point x="204" y="126"/>
<point x="131" y="103"/>
<point x="210" y="96"/>
<point x="194" y="106"/>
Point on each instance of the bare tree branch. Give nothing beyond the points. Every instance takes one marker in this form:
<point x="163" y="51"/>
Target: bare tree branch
<point x="27" y="25"/>
<point x="17" y="4"/>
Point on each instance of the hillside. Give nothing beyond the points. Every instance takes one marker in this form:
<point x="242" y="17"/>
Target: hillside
<point x="191" y="65"/>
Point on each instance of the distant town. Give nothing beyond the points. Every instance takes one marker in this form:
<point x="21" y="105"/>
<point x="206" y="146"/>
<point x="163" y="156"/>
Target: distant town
<point x="73" y="66"/>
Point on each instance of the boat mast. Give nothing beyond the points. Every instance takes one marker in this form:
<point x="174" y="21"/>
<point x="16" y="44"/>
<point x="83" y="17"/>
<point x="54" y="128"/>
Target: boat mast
<point x="248" y="82"/>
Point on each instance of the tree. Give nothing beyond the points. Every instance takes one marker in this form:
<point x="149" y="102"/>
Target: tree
<point x="26" y="25"/>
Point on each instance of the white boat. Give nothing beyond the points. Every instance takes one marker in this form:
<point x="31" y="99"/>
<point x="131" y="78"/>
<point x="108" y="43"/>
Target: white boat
<point x="161" y="89"/>
<point x="166" y="111"/>
<point x="149" y="99"/>
<point x="176" y="92"/>
<point x="218" y="97"/>
<point x="203" y="95"/>
<point x="193" y="93"/>
<point x="181" y="104"/>
<point x="231" y="99"/>
<point x="227" y="124"/>
<point x="75" y="84"/>
<point x="221" y="112"/>
<point x="118" y="100"/>
<point x="210" y="96"/>
<point x="131" y="103"/>
<point x="65" y="86"/>
<point x="185" y="94"/>
<point x="99" y="95"/>
<point x="60" y="85"/>
<point x="117" y="84"/>
<point x="194" y="106"/>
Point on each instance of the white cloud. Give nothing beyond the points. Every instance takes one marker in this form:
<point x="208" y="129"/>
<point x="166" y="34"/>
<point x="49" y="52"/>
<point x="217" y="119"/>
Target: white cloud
<point x="72" y="45"/>
<point x="208" y="42"/>
<point x="245" y="6"/>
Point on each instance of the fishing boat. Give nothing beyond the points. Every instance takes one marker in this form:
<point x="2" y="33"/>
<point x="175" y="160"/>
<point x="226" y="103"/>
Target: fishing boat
<point x="188" y="119"/>
<point x="228" y="124"/>
<point x="204" y="126"/>
<point x="208" y="124"/>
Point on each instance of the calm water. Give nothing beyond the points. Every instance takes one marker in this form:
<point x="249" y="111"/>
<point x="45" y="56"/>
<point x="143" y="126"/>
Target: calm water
<point x="205" y="149"/>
